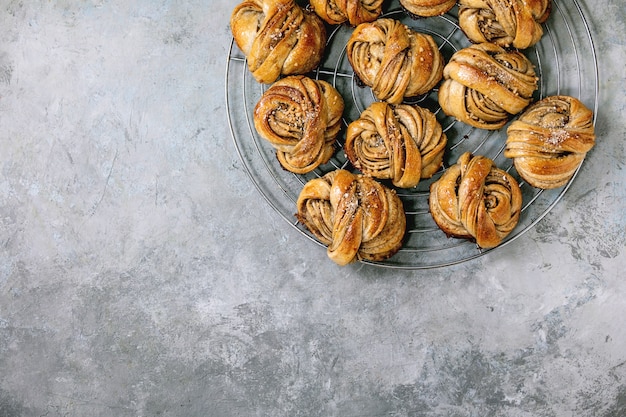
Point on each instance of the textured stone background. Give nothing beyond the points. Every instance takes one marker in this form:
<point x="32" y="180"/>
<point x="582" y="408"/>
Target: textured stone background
<point x="141" y="274"/>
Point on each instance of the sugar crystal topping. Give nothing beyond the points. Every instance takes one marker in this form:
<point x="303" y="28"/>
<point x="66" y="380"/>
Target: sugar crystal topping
<point x="557" y="136"/>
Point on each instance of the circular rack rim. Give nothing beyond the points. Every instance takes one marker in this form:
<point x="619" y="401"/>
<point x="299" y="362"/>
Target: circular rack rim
<point x="280" y="188"/>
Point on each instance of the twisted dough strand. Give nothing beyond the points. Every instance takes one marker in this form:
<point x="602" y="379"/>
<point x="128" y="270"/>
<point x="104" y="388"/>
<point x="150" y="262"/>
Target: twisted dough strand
<point x="355" y="12"/>
<point x="427" y="8"/>
<point x="355" y="216"/>
<point x="277" y="37"/>
<point x="395" y="61"/>
<point x="506" y="23"/>
<point x="485" y="84"/>
<point x="301" y="118"/>
<point x="476" y="200"/>
<point x="549" y="141"/>
<point x="401" y="142"/>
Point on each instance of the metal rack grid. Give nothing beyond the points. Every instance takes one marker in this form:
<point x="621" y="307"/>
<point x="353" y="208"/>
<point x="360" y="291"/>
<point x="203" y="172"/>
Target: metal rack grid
<point x="565" y="61"/>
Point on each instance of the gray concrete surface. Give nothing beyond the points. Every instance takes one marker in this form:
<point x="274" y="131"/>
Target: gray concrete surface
<point x="142" y="274"/>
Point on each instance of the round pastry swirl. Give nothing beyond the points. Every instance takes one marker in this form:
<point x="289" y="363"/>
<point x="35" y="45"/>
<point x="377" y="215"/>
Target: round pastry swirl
<point x="401" y="142"/>
<point x="427" y="8"/>
<point x="353" y="215"/>
<point x="484" y="85"/>
<point x="476" y="200"/>
<point x="355" y="12"/>
<point x="395" y="61"/>
<point x="300" y="117"/>
<point x="278" y="37"/>
<point x="506" y="23"/>
<point x="549" y="141"/>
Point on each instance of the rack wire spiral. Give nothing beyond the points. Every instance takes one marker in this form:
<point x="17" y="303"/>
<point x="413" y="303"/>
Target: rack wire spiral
<point x="565" y="61"/>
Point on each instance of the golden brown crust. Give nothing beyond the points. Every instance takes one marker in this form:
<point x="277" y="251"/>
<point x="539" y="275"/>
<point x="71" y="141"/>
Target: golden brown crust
<point x="301" y="118"/>
<point x="506" y="23"/>
<point x="355" y="216"/>
<point x="549" y="141"/>
<point x="355" y="12"/>
<point x="278" y="37"/>
<point x="476" y="200"/>
<point x="401" y="142"/>
<point x="484" y="85"/>
<point x="395" y="61"/>
<point x="427" y="8"/>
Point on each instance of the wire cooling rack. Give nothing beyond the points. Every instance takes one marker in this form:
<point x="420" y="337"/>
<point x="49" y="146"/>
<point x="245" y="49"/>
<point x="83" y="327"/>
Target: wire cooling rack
<point x="565" y="61"/>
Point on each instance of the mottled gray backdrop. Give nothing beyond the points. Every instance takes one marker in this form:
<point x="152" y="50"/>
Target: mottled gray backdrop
<point x="141" y="273"/>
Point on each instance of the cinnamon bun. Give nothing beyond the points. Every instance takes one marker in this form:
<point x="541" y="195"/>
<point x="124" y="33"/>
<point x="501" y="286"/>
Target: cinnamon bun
<point x="355" y="12"/>
<point x="278" y="37"/>
<point x="484" y="85"/>
<point x="300" y="117"/>
<point x="549" y="141"/>
<point x="476" y="200"/>
<point x="353" y="215"/>
<point x="515" y="23"/>
<point x="394" y="60"/>
<point x="401" y="142"/>
<point x="427" y="8"/>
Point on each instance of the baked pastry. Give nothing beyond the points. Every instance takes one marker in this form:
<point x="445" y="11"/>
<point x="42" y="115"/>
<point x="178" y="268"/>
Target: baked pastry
<point x="301" y="118"/>
<point x="353" y="215"/>
<point x="394" y="60"/>
<point x="278" y="37"/>
<point x="355" y="12"/>
<point x="427" y="8"/>
<point x="484" y="85"/>
<point x="549" y="141"/>
<point x="476" y="200"/>
<point x="400" y="142"/>
<point x="515" y="23"/>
